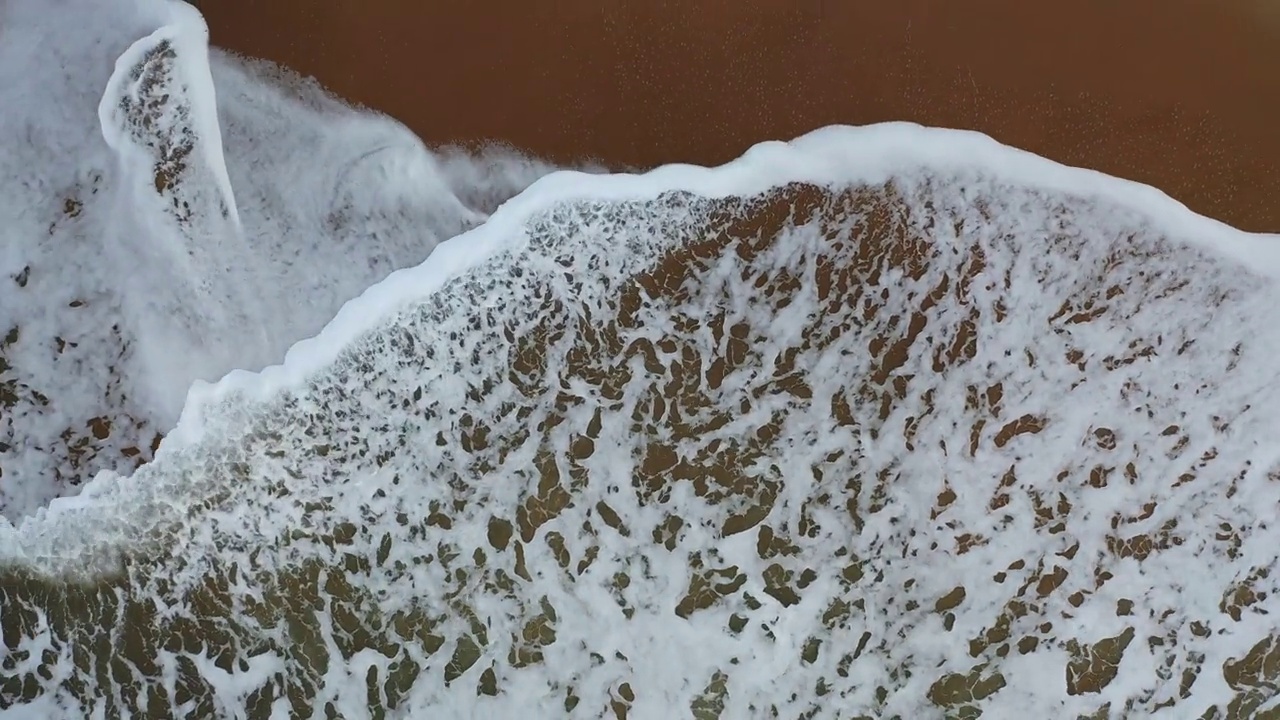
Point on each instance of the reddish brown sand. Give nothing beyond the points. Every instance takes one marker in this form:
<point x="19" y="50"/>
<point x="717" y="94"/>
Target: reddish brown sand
<point x="1181" y="94"/>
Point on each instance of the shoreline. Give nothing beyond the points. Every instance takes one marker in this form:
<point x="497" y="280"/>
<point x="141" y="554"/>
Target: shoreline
<point x="1179" y="94"/>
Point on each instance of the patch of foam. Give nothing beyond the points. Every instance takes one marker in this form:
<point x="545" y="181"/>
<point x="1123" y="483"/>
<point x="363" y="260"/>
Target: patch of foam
<point x="243" y="206"/>
<point x="692" y="450"/>
<point x="834" y="155"/>
<point x="179" y="239"/>
<point x="903" y="441"/>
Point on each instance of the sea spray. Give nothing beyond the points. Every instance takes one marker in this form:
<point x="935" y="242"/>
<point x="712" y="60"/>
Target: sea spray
<point x="192" y="283"/>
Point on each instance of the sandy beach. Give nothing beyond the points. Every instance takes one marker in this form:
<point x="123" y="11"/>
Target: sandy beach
<point x="1181" y="94"/>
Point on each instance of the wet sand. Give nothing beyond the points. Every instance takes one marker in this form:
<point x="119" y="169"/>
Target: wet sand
<point x="1181" y="94"/>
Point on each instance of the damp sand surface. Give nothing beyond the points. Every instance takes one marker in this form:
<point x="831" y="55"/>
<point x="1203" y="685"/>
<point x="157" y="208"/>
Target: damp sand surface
<point x="1180" y="94"/>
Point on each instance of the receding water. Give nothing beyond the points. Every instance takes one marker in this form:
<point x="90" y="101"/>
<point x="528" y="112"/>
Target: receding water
<point x="803" y="452"/>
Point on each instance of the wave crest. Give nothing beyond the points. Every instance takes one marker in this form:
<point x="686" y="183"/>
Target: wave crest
<point x="924" y="446"/>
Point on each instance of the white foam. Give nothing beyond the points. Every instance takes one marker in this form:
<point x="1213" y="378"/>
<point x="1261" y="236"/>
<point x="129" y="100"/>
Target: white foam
<point x="359" y="432"/>
<point x="673" y="666"/>
<point x="831" y="156"/>
<point x="288" y="204"/>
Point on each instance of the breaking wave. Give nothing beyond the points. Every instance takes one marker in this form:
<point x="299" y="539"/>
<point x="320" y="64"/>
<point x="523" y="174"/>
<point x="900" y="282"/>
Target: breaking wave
<point x="171" y="214"/>
<point x="881" y="422"/>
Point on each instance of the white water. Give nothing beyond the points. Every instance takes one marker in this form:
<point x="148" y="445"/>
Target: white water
<point x="283" y="205"/>
<point x="334" y="516"/>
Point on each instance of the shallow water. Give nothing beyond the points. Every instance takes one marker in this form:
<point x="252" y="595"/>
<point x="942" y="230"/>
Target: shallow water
<point x="1179" y="94"/>
<point x="884" y="422"/>
<point x="803" y="452"/>
<point x="171" y="215"/>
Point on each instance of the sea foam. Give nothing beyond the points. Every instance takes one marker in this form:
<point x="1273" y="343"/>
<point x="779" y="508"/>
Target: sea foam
<point x="886" y="421"/>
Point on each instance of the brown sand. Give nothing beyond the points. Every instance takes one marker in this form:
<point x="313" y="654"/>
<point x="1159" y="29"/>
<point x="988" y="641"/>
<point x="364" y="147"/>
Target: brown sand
<point x="1181" y="94"/>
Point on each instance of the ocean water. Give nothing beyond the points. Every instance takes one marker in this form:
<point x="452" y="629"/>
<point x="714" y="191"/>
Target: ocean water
<point x="159" y="231"/>
<point x="879" y="422"/>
